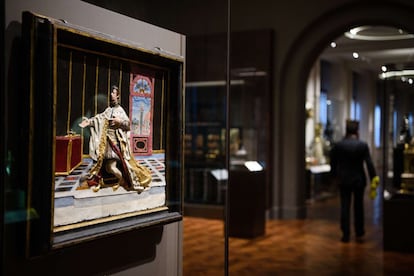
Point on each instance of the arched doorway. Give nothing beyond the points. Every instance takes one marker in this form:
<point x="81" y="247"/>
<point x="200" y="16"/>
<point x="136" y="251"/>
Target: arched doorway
<point x="296" y="68"/>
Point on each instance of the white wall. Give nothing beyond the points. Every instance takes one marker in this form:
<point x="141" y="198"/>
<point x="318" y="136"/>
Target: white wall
<point x="87" y="15"/>
<point x="341" y="94"/>
<point x="367" y="96"/>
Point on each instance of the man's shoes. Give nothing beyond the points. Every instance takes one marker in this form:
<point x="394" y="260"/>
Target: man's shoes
<point x="345" y="239"/>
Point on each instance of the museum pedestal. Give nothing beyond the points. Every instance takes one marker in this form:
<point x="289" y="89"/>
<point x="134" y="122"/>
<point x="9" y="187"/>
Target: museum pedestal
<point x="398" y="224"/>
<point x="246" y="203"/>
<point x="318" y="182"/>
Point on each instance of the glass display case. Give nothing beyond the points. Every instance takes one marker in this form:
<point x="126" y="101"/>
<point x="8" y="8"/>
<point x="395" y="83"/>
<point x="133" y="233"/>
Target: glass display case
<point x="249" y="114"/>
<point x="204" y="145"/>
<point x="398" y="176"/>
<point x="399" y="143"/>
<point x="105" y="125"/>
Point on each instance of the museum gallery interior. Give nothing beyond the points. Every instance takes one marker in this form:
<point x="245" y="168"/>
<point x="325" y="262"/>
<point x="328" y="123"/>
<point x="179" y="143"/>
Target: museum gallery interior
<point x="195" y="137"/>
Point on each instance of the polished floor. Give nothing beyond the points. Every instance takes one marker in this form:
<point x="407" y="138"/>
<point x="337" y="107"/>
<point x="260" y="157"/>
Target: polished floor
<point x="294" y="247"/>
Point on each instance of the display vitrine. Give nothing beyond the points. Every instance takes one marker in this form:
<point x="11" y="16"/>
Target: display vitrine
<point x="104" y="131"/>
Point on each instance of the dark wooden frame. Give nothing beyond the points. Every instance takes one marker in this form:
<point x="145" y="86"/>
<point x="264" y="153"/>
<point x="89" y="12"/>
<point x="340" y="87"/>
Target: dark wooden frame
<point x="41" y="38"/>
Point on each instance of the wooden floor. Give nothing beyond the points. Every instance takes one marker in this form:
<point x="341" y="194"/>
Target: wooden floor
<point x="294" y="247"/>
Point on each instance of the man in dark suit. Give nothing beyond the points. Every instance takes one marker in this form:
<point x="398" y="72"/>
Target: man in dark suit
<point x="347" y="167"/>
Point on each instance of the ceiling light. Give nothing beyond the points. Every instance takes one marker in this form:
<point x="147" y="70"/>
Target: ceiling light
<point x="384" y="68"/>
<point x="400" y="73"/>
<point x="354" y="31"/>
<point x="377" y="33"/>
<point x="355" y="55"/>
<point x="410" y="81"/>
<point x="333" y="44"/>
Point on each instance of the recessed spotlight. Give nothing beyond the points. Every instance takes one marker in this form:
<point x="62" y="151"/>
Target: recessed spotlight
<point x="355" y="55"/>
<point x="333" y="44"/>
<point x="410" y="81"/>
<point x="384" y="68"/>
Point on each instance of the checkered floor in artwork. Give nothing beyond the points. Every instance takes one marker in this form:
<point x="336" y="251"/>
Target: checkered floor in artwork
<point x="74" y="205"/>
<point x="65" y="185"/>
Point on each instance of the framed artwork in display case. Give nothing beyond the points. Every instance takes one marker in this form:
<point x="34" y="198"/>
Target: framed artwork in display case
<point x="104" y="134"/>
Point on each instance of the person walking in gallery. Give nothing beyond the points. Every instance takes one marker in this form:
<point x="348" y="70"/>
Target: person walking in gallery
<point x="109" y="146"/>
<point x="347" y="160"/>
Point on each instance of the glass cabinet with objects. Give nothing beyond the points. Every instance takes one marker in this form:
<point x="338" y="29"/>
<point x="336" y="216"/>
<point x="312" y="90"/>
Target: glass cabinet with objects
<point x="247" y="114"/>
